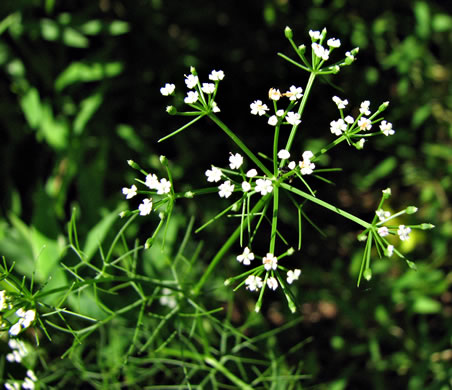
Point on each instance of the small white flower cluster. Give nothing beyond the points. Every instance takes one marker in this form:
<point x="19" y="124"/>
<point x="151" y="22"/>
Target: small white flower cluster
<point x="214" y="175"/>
<point x="4" y="301"/>
<point x="161" y="187"/>
<point x="294" y="93"/>
<point x="167" y="299"/>
<point x="402" y="231"/>
<point x="26" y="318"/>
<point x="318" y="49"/>
<point x="262" y="184"/>
<point x="18" y="350"/>
<point x="270" y="263"/>
<point x="28" y="383"/>
<point x="197" y="94"/>
<point x="362" y="123"/>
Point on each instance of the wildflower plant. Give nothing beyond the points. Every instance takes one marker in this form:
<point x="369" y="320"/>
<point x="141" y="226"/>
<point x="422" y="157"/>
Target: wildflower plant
<point x="254" y="183"/>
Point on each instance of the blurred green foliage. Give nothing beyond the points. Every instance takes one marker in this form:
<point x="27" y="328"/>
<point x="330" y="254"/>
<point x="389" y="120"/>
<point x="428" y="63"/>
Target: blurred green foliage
<point x="79" y="86"/>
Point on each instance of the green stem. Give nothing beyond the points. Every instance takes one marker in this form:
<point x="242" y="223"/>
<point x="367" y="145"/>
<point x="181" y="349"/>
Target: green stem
<point x="226" y="246"/>
<point x="301" y="109"/>
<point x="328" y="206"/>
<point x="240" y="144"/>
<point x="274" y="218"/>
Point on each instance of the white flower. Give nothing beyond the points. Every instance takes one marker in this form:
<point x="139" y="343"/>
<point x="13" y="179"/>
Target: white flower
<point x="292" y="165"/>
<point x="293" y="275"/>
<point x="274" y="94"/>
<point x="145" y="207"/>
<point x="339" y="102"/>
<point x="349" y="119"/>
<point x="272" y="283"/>
<point x="191" y="81"/>
<point x="293" y="118"/>
<point x="246" y="186"/>
<point x="168" y="89"/>
<point x="320" y="51"/>
<point x="404" y="232"/>
<point x="251" y="173"/>
<point x="307" y="155"/>
<point x="270" y="262"/>
<point x="338" y="127"/>
<point x="246" y="257"/>
<point x="273" y="120"/>
<point x="315" y="34"/>
<point x="12" y="386"/>
<point x="152" y="181"/>
<point x="283" y="154"/>
<point x="32" y="375"/>
<point x="333" y="42"/>
<point x="167" y="299"/>
<point x="235" y="161"/>
<point x="130" y="192"/>
<point x="192" y="97"/>
<point x="280" y="113"/>
<point x="264" y="186"/>
<point x="364" y="108"/>
<point x="383" y="231"/>
<point x="214" y="174"/>
<point x="164" y="186"/>
<point x="306" y="167"/>
<point x="253" y="283"/>
<point x="386" y="192"/>
<point x="226" y="189"/>
<point x="258" y="108"/>
<point x="3" y="300"/>
<point x="15" y="329"/>
<point x="382" y="215"/>
<point x="389" y="250"/>
<point x="386" y="128"/>
<point x="294" y="93"/>
<point x="364" y="123"/>
<point x="215" y="107"/>
<point x="216" y="75"/>
<point x="350" y="56"/>
<point x="208" y="88"/>
<point x="28" y="384"/>
<point x="28" y="317"/>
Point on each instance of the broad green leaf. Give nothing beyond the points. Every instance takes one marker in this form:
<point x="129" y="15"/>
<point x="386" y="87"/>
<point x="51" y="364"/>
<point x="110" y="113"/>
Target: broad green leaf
<point x="87" y="109"/>
<point x="426" y="305"/>
<point x="31" y="107"/>
<point x="86" y="72"/>
<point x="118" y="27"/>
<point x="54" y="131"/>
<point x="72" y="37"/>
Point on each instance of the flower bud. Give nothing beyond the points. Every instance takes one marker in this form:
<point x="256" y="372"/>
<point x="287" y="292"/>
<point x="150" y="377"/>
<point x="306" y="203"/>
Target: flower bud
<point x="133" y="164"/>
<point x="386" y="193"/>
<point x="301" y="49"/>
<point x="189" y="194"/>
<point x="290" y="252"/>
<point x="362" y="236"/>
<point x="193" y="71"/>
<point x="427" y="226"/>
<point x="171" y="110"/>
<point x="367" y="274"/>
<point x="411" y="209"/>
<point x="163" y="160"/>
<point x="288" y="32"/>
<point x="383" y="106"/>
